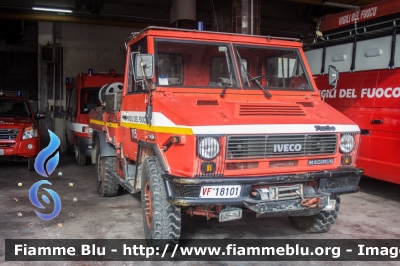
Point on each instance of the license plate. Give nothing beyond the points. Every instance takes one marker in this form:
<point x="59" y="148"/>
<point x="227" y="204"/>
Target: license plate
<point x="217" y="192"/>
<point x="1" y="152"/>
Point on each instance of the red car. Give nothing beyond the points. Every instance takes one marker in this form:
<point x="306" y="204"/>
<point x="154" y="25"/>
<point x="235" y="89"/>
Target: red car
<point x="19" y="131"/>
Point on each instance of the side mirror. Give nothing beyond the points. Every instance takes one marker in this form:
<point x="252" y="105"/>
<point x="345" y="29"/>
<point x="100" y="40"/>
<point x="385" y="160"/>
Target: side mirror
<point x="333" y="76"/>
<point x="143" y="63"/>
<point x="40" y="115"/>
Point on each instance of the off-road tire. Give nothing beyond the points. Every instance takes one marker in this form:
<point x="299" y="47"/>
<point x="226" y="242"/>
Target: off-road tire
<point x="161" y="219"/>
<point x="318" y="223"/>
<point x="107" y="186"/>
<point x="79" y="158"/>
<point x="31" y="164"/>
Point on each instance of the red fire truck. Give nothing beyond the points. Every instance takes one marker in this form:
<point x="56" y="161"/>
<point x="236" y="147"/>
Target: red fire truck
<point x="83" y="97"/>
<point x="363" y="45"/>
<point x="212" y="124"/>
<point x="19" y="131"/>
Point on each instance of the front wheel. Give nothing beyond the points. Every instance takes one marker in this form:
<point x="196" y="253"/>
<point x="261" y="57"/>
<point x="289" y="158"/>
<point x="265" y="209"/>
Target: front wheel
<point x="79" y="158"/>
<point x="31" y="163"/>
<point x="318" y="223"/>
<point x="107" y="186"/>
<point x="161" y="220"/>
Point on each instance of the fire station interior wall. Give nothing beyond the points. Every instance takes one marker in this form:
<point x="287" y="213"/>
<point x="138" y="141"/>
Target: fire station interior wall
<point x="93" y="46"/>
<point x="370" y="54"/>
<point x="84" y="47"/>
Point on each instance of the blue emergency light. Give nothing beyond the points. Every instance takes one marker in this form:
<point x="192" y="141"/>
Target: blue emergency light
<point x="19" y="93"/>
<point x="90" y="71"/>
<point x="67" y="81"/>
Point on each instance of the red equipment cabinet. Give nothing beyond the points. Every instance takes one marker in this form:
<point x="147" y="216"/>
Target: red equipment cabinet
<point x="212" y="123"/>
<point x="365" y="51"/>
<point x="19" y="130"/>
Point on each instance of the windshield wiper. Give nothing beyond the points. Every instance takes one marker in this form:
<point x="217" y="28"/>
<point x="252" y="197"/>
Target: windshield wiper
<point x="267" y="94"/>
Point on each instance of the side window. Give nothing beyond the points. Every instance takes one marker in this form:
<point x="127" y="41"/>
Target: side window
<point x="136" y="86"/>
<point x="73" y="104"/>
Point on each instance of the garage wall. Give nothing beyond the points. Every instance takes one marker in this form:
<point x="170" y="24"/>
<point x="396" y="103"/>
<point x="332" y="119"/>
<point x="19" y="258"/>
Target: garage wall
<point x="90" y="46"/>
<point x="100" y="48"/>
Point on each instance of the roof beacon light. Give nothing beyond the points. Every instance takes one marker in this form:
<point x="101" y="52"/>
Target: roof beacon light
<point x="19" y="93"/>
<point x="90" y="71"/>
<point x="67" y="81"/>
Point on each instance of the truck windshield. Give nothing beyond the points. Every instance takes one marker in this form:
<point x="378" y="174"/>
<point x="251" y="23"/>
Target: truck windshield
<point x="89" y="99"/>
<point x="194" y="64"/>
<point x="14" y="108"/>
<point x="273" y="68"/>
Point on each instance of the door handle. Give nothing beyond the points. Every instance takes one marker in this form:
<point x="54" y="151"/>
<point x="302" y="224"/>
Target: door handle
<point x="377" y="121"/>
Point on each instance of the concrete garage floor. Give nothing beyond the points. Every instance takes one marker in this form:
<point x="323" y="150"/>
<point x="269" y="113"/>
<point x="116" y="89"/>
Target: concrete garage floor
<point x="372" y="213"/>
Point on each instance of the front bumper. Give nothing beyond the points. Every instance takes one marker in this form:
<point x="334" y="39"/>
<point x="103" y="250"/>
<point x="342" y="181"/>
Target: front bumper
<point x="16" y="150"/>
<point x="186" y="191"/>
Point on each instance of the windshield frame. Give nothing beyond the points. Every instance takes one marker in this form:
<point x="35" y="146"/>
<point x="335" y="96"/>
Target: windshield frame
<point x="229" y="52"/>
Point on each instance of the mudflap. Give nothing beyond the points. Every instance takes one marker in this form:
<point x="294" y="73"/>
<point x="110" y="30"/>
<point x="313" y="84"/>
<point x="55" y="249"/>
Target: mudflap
<point x="284" y="208"/>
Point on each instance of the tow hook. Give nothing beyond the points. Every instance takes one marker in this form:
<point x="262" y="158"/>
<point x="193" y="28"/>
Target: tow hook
<point x="311" y="203"/>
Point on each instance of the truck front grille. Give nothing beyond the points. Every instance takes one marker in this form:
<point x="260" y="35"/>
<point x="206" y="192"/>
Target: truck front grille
<point x="275" y="146"/>
<point x="8" y="133"/>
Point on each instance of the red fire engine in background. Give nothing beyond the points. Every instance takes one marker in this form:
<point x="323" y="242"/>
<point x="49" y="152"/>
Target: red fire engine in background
<point x="19" y="130"/>
<point x="364" y="45"/>
<point x="83" y="97"/>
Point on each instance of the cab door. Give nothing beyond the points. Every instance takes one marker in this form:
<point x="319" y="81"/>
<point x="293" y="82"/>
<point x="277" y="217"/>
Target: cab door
<point x="133" y="108"/>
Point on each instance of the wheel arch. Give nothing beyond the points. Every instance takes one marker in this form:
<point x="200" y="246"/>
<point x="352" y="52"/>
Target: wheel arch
<point x="106" y="149"/>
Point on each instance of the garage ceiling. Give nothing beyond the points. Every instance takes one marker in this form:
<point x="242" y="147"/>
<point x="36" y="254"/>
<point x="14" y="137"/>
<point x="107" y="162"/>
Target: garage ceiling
<point x="288" y="18"/>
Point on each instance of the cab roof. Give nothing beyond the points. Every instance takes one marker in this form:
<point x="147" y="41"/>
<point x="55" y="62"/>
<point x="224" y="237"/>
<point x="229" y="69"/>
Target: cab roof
<point x="213" y="36"/>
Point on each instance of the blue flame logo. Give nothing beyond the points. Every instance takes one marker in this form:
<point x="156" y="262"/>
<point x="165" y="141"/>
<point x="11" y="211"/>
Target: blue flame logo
<point x="45" y="153"/>
<point x="35" y="201"/>
<point x="50" y="167"/>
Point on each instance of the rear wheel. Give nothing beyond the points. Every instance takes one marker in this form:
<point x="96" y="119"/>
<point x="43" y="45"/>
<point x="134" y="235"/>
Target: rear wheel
<point x="318" y="223"/>
<point x="80" y="159"/>
<point x="161" y="220"/>
<point x="107" y="186"/>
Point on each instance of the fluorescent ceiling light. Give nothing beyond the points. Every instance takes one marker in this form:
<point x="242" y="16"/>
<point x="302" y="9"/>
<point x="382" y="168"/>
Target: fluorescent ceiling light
<point x="326" y="3"/>
<point x="52" y="9"/>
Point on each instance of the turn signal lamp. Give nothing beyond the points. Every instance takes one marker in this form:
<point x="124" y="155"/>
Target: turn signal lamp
<point x="208" y="167"/>
<point x="346" y="159"/>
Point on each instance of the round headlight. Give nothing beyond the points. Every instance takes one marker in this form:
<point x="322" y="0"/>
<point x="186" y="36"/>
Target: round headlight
<point x="347" y="143"/>
<point x="208" y="148"/>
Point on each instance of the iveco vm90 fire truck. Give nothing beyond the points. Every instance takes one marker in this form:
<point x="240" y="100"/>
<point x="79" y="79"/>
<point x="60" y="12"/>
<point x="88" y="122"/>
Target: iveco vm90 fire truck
<point x="214" y="124"/>
<point x="363" y="44"/>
